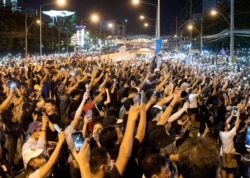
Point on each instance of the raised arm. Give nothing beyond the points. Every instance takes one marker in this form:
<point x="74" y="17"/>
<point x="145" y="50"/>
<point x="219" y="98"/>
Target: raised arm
<point x="163" y="82"/>
<point x="54" y="156"/>
<point x="79" y="110"/>
<point x="140" y="133"/>
<point x="168" y="111"/>
<point x="82" y="158"/>
<point x="127" y="141"/>
<point x="177" y="114"/>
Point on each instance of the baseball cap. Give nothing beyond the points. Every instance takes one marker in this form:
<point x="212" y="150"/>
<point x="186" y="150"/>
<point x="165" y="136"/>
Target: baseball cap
<point x="29" y="154"/>
<point x="34" y="125"/>
<point x="111" y="120"/>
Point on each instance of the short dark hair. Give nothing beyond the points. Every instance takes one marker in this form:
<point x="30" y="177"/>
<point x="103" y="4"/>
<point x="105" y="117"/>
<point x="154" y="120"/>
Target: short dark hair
<point x="132" y="90"/>
<point x="108" y="137"/>
<point x="152" y="164"/>
<point x="199" y="158"/>
<point x="50" y="100"/>
<point x="98" y="156"/>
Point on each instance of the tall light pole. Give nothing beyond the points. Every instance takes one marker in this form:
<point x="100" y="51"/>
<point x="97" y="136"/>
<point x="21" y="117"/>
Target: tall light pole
<point x="60" y="2"/>
<point x="26" y="32"/>
<point x="158" y="19"/>
<point x="95" y="18"/>
<point x="157" y="7"/>
<point x="190" y="28"/>
<point x="231" y="27"/>
<point x="232" y="31"/>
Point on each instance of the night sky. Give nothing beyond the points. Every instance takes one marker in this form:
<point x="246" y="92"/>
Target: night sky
<point x="121" y="10"/>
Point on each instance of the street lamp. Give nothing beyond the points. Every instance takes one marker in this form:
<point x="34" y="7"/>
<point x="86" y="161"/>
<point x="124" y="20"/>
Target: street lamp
<point x="190" y="28"/>
<point x="96" y="19"/>
<point x="60" y="2"/>
<point x="157" y="6"/>
<point x="142" y="17"/>
<point x="111" y="27"/>
<point x="231" y="26"/>
<point x="27" y="31"/>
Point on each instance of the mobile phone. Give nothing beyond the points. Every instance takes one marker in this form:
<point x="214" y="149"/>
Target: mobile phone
<point x="89" y="114"/>
<point x="235" y="110"/>
<point x="78" y="140"/>
<point x="57" y="128"/>
<point x="155" y="93"/>
<point x="86" y="86"/>
<point x="248" y="137"/>
<point x="11" y="84"/>
<point x="138" y="98"/>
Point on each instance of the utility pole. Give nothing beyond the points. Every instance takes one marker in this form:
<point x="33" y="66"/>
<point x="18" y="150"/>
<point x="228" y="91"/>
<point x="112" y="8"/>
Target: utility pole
<point x="232" y="32"/>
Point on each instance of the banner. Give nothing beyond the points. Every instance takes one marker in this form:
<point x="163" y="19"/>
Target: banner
<point x="158" y="45"/>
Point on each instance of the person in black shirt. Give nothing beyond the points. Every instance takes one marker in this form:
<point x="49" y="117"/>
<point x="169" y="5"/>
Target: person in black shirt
<point x="50" y="110"/>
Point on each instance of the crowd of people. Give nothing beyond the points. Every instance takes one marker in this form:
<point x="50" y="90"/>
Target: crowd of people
<point x="71" y="117"/>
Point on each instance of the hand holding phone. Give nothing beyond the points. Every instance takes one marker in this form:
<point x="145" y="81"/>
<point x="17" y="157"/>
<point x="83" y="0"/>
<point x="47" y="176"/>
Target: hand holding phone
<point x="235" y="110"/>
<point x="78" y="140"/>
<point x="89" y="114"/>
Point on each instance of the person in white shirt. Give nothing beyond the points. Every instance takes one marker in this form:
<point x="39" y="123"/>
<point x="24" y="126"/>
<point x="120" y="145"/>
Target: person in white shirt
<point x="193" y="104"/>
<point x="226" y="136"/>
<point x="36" y="164"/>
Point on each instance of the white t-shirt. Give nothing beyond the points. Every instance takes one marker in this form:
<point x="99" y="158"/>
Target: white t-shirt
<point x="193" y="100"/>
<point x="227" y="141"/>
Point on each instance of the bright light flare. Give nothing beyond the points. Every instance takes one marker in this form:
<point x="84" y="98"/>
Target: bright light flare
<point x="135" y="2"/>
<point x="190" y="27"/>
<point x="110" y="25"/>
<point x="213" y="12"/>
<point x="95" y="18"/>
<point x="61" y="2"/>
<point x="142" y="17"/>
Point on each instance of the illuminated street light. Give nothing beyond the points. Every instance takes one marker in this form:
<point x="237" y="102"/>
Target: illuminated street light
<point x="146" y="25"/>
<point x="142" y="17"/>
<point x="190" y="28"/>
<point x="231" y="27"/>
<point x="214" y="13"/>
<point x="95" y="18"/>
<point x="110" y="25"/>
<point x="60" y="2"/>
<point x="158" y="8"/>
